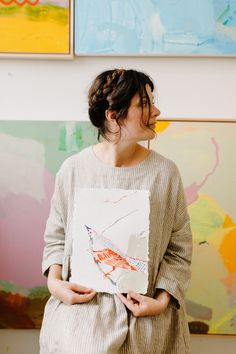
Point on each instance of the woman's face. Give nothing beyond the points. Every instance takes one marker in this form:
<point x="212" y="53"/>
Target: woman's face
<point x="141" y="118"/>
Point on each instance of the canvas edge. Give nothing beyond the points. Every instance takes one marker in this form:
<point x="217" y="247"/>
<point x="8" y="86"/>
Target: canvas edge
<point x="59" y="56"/>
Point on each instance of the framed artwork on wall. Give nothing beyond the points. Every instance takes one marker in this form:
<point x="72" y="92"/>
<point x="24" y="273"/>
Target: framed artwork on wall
<point x="155" y="27"/>
<point x="204" y="152"/>
<point x="36" y="28"/>
<point x="31" y="153"/>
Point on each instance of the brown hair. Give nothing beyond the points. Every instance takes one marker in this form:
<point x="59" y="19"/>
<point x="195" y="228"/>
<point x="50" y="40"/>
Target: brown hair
<point x="113" y="90"/>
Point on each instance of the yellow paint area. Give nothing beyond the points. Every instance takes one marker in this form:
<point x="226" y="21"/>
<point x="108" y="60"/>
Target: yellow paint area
<point x="228" y="250"/>
<point x="226" y="318"/>
<point x="228" y="222"/>
<point x="22" y="33"/>
<point x="214" y="233"/>
<point x="161" y="126"/>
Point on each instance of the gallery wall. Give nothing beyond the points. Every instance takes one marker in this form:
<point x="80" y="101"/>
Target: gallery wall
<point x="56" y="90"/>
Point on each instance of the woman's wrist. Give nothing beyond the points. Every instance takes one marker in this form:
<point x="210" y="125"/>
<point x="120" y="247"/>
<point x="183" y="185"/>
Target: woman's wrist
<point x="163" y="296"/>
<point x="54" y="275"/>
<point x="55" y="272"/>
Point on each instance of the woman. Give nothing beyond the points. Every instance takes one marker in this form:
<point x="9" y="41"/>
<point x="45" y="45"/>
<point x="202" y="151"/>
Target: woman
<point x="76" y="318"/>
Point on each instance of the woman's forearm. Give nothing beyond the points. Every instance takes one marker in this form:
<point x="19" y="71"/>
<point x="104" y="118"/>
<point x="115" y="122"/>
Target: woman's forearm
<point x="54" y="272"/>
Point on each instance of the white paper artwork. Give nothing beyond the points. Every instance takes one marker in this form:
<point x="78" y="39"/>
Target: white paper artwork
<point x="110" y="240"/>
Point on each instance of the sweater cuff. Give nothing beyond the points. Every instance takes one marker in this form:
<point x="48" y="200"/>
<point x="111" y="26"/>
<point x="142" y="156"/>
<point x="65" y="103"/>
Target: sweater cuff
<point x="56" y="259"/>
<point x="172" y="288"/>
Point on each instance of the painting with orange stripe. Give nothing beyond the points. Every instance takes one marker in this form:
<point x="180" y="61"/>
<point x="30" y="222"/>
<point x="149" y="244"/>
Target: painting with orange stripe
<point x="36" y="28"/>
<point x="205" y="155"/>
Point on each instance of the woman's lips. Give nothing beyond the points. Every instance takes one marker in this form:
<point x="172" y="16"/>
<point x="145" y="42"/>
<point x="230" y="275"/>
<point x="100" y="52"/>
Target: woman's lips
<point x="152" y="125"/>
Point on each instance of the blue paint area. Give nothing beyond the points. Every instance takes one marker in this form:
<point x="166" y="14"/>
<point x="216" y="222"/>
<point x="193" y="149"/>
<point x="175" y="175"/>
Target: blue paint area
<point x="105" y="26"/>
<point x="179" y="27"/>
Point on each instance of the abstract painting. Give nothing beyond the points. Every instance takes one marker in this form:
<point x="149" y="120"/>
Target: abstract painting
<point x="205" y="155"/>
<point x="31" y="153"/>
<point x="110" y="240"/>
<point x="41" y="27"/>
<point x="155" y="27"/>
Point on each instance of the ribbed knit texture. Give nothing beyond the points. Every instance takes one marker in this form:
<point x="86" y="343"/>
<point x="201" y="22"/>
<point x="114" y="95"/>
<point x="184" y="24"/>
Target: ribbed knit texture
<point x="104" y="325"/>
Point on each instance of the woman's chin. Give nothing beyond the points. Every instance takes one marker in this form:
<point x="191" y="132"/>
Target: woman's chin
<point x="150" y="135"/>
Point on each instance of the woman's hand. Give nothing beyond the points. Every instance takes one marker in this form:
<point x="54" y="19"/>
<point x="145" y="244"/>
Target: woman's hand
<point x="69" y="293"/>
<point x="141" y="305"/>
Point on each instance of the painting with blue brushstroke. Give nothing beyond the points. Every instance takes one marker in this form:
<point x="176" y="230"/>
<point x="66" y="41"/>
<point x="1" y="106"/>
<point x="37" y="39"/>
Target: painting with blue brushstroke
<point x="155" y="27"/>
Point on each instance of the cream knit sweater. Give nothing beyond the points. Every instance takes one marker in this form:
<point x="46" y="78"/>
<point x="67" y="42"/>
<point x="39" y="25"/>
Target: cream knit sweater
<point x="104" y="325"/>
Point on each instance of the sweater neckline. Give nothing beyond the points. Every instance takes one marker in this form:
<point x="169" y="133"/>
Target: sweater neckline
<point x="122" y="168"/>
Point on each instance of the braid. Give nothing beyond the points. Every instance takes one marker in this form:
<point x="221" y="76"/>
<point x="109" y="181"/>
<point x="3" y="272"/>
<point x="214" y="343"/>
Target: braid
<point x="99" y="97"/>
<point x="112" y="80"/>
<point x="104" y="88"/>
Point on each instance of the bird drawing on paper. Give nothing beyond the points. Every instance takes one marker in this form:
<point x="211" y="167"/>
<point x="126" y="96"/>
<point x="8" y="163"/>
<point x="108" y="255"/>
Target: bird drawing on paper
<point x="104" y="252"/>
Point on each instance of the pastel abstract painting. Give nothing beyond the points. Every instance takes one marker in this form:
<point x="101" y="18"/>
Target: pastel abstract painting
<point x="110" y="240"/>
<point x="175" y="27"/>
<point x="30" y="155"/>
<point x="35" y="27"/>
<point x="205" y="155"/>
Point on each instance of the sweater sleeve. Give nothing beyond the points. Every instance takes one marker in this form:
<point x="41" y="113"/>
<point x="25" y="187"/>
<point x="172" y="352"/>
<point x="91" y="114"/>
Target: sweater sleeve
<point x="174" y="271"/>
<point x="54" y="235"/>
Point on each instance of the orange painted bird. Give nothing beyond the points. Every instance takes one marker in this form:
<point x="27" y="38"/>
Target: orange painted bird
<point x="105" y="252"/>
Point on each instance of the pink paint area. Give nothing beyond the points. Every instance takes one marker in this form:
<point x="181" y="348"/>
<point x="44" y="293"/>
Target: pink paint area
<point x="22" y="225"/>
<point x="191" y="194"/>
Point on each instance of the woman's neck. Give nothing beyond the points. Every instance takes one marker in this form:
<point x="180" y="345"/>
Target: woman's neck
<point x="120" y="155"/>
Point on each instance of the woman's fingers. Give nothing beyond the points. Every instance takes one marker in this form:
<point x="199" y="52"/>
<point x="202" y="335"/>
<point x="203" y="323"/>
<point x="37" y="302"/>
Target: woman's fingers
<point x="86" y="297"/>
<point x="71" y="293"/>
<point x="80" y="294"/>
<point x="140" y="305"/>
<point x="135" y="296"/>
<point x="80" y="288"/>
<point x="121" y="297"/>
<point x="127" y="302"/>
<point x="72" y="297"/>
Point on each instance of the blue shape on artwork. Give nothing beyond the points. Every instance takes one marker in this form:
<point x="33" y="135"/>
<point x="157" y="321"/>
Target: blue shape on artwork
<point x="155" y="27"/>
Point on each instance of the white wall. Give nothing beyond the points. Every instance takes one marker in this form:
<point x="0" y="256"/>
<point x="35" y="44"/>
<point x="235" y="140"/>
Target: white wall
<point x="47" y="90"/>
<point x="56" y="90"/>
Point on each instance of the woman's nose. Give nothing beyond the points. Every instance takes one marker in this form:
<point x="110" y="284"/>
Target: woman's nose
<point x="155" y="111"/>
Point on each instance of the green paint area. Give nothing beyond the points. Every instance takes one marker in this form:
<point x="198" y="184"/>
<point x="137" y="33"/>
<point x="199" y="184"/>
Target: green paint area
<point x="6" y="286"/>
<point x="225" y="12"/>
<point x="40" y="12"/>
<point x="59" y="139"/>
<point x="38" y="292"/>
<point x="8" y="10"/>
<point x="206" y="217"/>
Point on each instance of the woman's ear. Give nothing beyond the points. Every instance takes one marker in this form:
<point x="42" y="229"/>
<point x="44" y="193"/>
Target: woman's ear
<point x="110" y="115"/>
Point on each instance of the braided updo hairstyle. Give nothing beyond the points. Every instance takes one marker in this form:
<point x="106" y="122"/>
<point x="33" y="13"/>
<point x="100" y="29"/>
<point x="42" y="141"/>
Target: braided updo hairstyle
<point x="113" y="90"/>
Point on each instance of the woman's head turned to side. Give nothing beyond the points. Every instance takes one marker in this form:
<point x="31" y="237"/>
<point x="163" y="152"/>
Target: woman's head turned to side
<point x="112" y="95"/>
